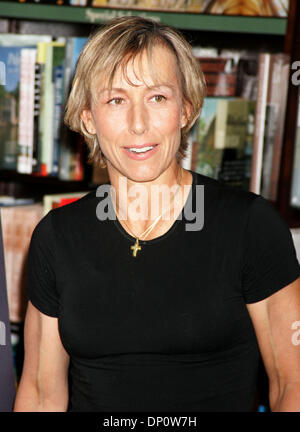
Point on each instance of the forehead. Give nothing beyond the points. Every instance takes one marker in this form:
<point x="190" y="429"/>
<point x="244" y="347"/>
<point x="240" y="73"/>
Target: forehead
<point x="148" y="68"/>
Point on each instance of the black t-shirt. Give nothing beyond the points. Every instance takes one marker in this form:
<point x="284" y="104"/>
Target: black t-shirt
<point x="169" y="329"/>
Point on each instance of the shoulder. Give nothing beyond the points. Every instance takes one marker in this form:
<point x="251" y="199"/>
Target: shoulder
<point x="76" y="211"/>
<point x="68" y="217"/>
<point x="225" y="197"/>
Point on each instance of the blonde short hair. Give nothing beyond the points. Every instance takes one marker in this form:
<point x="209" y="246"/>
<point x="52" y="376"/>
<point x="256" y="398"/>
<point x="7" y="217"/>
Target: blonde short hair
<point x="114" y="45"/>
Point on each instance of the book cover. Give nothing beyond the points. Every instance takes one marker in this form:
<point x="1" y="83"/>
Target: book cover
<point x="295" y="182"/>
<point x="58" y="86"/>
<point x="231" y="124"/>
<point x="46" y="120"/>
<point x="10" y="56"/>
<point x="225" y="137"/>
<point x="260" y="119"/>
<point x="13" y="39"/>
<point x="278" y="8"/>
<point x="36" y="168"/>
<point x="18" y="223"/>
<point x="220" y="75"/>
<point x="26" y="111"/>
<point x="40" y="120"/>
<point x="295" y="188"/>
<point x="9" y="106"/>
<point x="209" y="158"/>
<point x="283" y="61"/>
<point x="52" y="201"/>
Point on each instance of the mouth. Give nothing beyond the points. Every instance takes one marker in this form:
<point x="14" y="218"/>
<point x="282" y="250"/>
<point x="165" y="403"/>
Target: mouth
<point x="141" y="149"/>
<point x="140" y="152"/>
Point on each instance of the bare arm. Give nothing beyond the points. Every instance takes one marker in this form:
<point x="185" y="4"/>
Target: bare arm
<point x="273" y="320"/>
<point x="44" y="382"/>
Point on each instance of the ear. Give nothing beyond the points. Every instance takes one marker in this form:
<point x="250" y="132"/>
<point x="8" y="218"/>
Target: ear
<point x="186" y="112"/>
<point x="86" y="117"/>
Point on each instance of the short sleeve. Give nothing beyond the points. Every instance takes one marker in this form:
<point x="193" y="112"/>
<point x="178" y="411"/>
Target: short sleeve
<point x="269" y="260"/>
<point x="41" y="282"/>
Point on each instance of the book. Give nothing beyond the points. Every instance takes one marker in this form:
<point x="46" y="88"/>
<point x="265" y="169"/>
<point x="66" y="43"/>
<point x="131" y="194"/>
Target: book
<point x="231" y="123"/>
<point x="188" y="162"/>
<point x="58" y="103"/>
<point x="283" y="70"/>
<point x="224" y="140"/>
<point x="7" y="376"/>
<point x="220" y="75"/>
<point x="6" y="200"/>
<point x="209" y="159"/>
<point x="71" y="148"/>
<point x="278" y="8"/>
<point x="53" y="201"/>
<point x="24" y="40"/>
<point x="9" y="107"/>
<point x="246" y="64"/>
<point x="269" y="125"/>
<point x="295" y="182"/>
<point x="26" y="115"/>
<point x="38" y="69"/>
<point x="275" y="8"/>
<point x="11" y="46"/>
<point x="260" y="119"/>
<point x="47" y="105"/>
<point x="39" y="117"/>
<point x="18" y="223"/>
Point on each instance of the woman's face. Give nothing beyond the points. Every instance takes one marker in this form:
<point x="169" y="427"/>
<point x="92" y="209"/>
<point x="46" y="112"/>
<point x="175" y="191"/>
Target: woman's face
<point x="139" y="126"/>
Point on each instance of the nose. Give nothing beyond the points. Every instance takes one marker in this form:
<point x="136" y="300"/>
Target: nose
<point x="138" y="119"/>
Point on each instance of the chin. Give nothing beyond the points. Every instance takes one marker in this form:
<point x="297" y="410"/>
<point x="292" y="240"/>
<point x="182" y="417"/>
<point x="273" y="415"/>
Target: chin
<point x="144" y="174"/>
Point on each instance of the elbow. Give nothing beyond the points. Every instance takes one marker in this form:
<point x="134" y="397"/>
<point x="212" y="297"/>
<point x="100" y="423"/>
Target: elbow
<point x="30" y="398"/>
<point x="27" y="397"/>
<point x="285" y="398"/>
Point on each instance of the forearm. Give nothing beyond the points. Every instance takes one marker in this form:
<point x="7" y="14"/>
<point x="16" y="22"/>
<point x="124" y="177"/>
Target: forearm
<point x="289" y="400"/>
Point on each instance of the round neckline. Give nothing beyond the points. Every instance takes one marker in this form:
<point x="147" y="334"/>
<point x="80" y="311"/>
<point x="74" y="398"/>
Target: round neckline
<point x="171" y="230"/>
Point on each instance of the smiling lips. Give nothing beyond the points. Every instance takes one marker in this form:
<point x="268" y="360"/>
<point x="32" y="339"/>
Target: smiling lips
<point x="141" y="152"/>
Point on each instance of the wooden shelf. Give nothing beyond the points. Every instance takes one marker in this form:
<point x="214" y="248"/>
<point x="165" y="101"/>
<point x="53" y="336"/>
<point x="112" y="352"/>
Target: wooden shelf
<point x="6" y="175"/>
<point x="185" y="21"/>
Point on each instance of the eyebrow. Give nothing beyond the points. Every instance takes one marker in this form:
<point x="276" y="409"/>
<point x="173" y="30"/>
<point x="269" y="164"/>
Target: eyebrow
<point x="154" y="87"/>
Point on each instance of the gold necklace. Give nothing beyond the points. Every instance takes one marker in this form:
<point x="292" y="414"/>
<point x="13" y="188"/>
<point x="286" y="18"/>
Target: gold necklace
<point x="137" y="247"/>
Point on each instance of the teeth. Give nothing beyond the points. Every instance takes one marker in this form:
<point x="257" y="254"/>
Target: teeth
<point x="141" y="150"/>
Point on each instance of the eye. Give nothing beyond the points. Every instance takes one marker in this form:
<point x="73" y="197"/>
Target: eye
<point x="159" y="98"/>
<point x="115" y="101"/>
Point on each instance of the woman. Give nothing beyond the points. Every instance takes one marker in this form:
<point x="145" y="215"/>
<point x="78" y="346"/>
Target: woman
<point x="130" y="310"/>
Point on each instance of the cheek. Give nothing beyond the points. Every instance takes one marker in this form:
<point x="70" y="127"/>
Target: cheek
<point x="168" y="122"/>
<point x="108" y="127"/>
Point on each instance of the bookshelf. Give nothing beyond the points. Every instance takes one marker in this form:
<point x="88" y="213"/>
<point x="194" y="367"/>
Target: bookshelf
<point x="255" y="32"/>
<point x="292" y="47"/>
<point x="37" y="186"/>
<point x="260" y="32"/>
<point x="186" y="21"/>
<point x="238" y="31"/>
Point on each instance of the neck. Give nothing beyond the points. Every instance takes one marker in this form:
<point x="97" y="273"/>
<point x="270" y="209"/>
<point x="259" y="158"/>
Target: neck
<point x="140" y="204"/>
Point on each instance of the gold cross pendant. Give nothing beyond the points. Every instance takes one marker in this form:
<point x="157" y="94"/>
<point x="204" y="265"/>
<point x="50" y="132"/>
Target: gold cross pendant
<point x="135" y="248"/>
